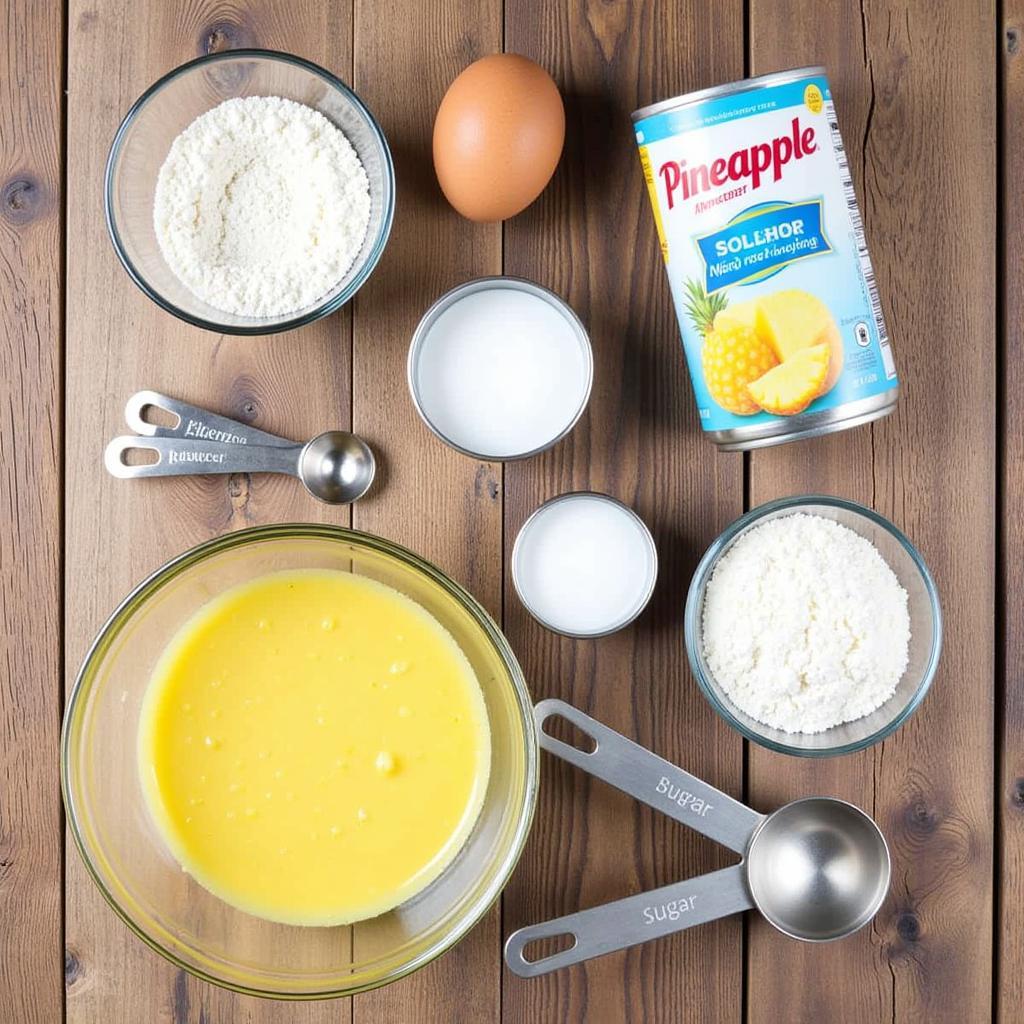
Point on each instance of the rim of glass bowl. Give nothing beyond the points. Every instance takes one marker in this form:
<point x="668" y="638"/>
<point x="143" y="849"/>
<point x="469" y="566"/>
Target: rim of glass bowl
<point x="317" y="312"/>
<point x="169" y="571"/>
<point x="699" y="582"/>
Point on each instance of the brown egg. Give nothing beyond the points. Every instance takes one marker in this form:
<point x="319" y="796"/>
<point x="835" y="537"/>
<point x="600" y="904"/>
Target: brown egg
<point x="498" y="136"/>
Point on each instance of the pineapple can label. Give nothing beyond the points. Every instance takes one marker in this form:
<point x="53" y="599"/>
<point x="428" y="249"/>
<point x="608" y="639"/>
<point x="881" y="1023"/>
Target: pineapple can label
<point x="763" y="242"/>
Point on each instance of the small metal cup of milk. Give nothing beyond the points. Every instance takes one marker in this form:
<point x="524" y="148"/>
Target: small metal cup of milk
<point x="500" y="368"/>
<point x="584" y="564"/>
<point x="762" y="239"/>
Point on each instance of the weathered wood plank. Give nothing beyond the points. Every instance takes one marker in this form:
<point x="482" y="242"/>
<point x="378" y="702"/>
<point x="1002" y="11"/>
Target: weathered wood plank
<point x="919" y="96"/>
<point x="913" y="84"/>
<point x="118" y="341"/>
<point x="445" y="506"/>
<point x="591" y="239"/>
<point x="31" y="455"/>
<point x="1010" y="923"/>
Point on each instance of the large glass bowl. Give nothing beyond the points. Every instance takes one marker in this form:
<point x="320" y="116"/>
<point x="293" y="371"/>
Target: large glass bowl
<point x="163" y="905"/>
<point x="169" y="106"/>
<point x="925" y="630"/>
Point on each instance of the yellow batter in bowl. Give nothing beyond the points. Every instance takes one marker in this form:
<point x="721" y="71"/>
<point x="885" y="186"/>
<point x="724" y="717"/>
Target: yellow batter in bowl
<point x="314" y="747"/>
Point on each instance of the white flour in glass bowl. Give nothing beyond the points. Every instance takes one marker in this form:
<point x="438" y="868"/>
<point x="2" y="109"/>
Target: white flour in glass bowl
<point x="261" y="206"/>
<point x="805" y="624"/>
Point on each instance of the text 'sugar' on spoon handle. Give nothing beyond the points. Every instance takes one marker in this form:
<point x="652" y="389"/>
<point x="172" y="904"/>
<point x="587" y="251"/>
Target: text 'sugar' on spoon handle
<point x="651" y="779"/>
<point x="627" y="922"/>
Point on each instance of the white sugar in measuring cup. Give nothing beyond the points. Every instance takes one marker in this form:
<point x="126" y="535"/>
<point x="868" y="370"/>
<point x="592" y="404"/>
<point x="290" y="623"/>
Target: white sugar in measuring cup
<point x="818" y="869"/>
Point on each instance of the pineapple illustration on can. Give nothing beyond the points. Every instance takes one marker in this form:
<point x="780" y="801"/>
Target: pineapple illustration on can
<point x="762" y="238"/>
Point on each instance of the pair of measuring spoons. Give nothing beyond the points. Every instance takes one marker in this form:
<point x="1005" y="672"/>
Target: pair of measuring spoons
<point x="337" y="467"/>
<point x="818" y="869"/>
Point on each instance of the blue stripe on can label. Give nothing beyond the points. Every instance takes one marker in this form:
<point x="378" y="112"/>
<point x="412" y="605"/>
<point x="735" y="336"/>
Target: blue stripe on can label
<point x="760" y="241"/>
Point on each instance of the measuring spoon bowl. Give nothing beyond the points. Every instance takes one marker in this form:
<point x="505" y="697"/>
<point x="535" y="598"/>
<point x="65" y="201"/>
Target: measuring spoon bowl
<point x="337" y="467"/>
<point x="818" y="869"/>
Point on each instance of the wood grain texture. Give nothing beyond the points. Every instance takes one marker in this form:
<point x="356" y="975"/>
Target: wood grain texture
<point x="1009" y="990"/>
<point x="590" y="238"/>
<point x="445" y="506"/>
<point x="913" y="86"/>
<point x="31" y="453"/>
<point x="118" y="342"/>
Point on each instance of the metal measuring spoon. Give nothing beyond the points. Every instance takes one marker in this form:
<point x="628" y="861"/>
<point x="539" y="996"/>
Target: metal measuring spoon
<point x="337" y="467"/>
<point x="817" y="869"/>
<point x="193" y="422"/>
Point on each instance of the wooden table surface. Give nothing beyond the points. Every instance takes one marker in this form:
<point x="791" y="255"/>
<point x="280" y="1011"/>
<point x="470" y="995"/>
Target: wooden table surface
<point x="930" y="98"/>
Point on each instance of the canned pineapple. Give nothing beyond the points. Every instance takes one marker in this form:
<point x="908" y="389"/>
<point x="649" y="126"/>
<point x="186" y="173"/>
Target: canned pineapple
<point x="762" y="238"/>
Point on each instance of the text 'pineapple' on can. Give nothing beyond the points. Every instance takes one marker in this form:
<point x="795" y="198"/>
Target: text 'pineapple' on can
<point x="763" y="242"/>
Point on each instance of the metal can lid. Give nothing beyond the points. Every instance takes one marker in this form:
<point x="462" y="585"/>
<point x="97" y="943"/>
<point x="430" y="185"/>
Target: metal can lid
<point x="743" y="85"/>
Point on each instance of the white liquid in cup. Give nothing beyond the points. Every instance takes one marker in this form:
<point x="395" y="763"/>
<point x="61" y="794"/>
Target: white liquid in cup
<point x="502" y="372"/>
<point x="584" y="564"/>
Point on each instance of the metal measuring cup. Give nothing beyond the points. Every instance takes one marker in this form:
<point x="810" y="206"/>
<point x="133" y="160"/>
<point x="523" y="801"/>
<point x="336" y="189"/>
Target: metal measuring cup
<point x="817" y="869"/>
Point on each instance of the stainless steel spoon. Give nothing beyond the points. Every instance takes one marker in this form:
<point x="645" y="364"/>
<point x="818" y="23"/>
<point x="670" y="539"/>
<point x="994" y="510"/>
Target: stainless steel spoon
<point x="817" y="869"/>
<point x="193" y="422"/>
<point x="337" y="467"/>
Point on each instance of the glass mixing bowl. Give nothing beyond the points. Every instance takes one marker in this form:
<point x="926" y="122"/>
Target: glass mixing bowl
<point x="925" y="630"/>
<point x="137" y="874"/>
<point x="169" y="106"/>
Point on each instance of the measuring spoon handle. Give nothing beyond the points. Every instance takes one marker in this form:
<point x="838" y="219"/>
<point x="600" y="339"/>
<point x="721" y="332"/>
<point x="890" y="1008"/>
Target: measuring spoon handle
<point x="635" y="919"/>
<point x="179" y="456"/>
<point x="649" y="778"/>
<point x="195" y="423"/>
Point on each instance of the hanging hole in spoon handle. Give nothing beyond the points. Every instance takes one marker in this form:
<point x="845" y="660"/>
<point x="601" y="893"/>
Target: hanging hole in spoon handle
<point x="193" y="422"/>
<point x="649" y="778"/>
<point x="630" y="921"/>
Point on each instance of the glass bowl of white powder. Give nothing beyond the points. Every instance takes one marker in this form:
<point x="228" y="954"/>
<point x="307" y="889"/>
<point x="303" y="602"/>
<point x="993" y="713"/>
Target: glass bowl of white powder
<point x="249" y="192"/>
<point x="813" y="626"/>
